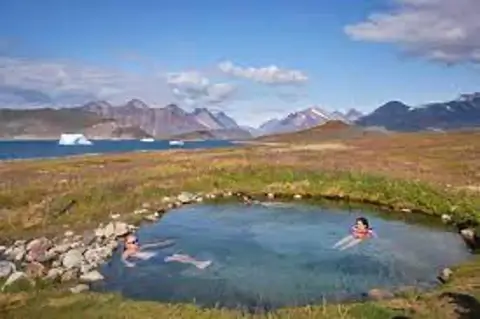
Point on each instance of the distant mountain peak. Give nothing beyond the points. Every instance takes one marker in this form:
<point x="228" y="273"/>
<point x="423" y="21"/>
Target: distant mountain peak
<point x="137" y="104"/>
<point x="174" y="109"/>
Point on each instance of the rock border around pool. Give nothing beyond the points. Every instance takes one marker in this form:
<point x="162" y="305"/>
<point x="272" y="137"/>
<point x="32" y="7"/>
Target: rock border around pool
<point x="74" y="259"/>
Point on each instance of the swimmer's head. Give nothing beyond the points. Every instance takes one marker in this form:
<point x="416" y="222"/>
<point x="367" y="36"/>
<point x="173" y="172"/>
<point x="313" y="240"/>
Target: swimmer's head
<point x="131" y="240"/>
<point x="362" y="223"/>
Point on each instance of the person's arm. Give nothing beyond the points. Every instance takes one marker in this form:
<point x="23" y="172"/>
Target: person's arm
<point x="353" y="230"/>
<point x="162" y="243"/>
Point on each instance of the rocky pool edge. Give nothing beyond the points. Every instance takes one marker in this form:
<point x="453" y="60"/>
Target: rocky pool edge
<point x="74" y="259"/>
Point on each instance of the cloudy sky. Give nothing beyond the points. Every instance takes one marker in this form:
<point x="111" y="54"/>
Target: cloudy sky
<point x="253" y="59"/>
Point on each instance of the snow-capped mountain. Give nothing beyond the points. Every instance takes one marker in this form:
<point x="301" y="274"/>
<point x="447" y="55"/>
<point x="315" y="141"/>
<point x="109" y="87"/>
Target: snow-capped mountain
<point x="462" y="112"/>
<point x="304" y="119"/>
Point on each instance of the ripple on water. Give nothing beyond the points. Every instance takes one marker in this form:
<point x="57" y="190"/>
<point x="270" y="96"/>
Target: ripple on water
<point x="280" y="255"/>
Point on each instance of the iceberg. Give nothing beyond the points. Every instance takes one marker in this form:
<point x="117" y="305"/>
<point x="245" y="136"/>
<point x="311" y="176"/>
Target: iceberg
<point x="73" y="139"/>
<point x="176" y="143"/>
<point x="147" y="139"/>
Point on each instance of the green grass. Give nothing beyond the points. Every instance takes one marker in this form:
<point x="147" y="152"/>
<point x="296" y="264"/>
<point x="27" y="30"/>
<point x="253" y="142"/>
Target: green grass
<point x="51" y="304"/>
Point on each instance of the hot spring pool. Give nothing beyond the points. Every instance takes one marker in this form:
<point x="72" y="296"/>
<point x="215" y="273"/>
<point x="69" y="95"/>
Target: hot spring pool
<point x="279" y="255"/>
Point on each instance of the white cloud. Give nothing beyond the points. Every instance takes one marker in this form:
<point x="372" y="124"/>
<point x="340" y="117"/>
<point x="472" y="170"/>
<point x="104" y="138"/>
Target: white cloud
<point x="28" y="83"/>
<point x="65" y="83"/>
<point x="267" y="75"/>
<point x="441" y="30"/>
<point x="193" y="88"/>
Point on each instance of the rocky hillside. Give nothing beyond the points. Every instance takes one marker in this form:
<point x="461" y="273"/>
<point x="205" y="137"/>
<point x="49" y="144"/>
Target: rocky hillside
<point x="463" y="112"/>
<point x="112" y="130"/>
<point x="50" y="123"/>
<point x="102" y="120"/>
<point x="220" y="134"/>
<point x="330" y="130"/>
<point x="167" y="121"/>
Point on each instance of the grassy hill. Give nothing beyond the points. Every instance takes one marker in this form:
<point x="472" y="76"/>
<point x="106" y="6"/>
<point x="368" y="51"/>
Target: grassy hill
<point x="222" y="134"/>
<point x="331" y="130"/>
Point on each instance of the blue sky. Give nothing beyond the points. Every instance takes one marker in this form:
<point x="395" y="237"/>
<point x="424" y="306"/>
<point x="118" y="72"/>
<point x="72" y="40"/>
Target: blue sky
<point x="253" y="59"/>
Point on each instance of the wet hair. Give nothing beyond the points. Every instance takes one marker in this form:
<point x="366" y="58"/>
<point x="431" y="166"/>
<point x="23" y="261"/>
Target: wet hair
<point x="364" y="221"/>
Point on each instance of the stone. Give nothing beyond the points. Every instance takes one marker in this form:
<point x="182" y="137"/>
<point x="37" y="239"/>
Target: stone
<point x="35" y="270"/>
<point x="88" y="237"/>
<point x="91" y="276"/>
<point x="95" y="255"/>
<point x="79" y="289"/>
<point x="54" y="273"/>
<point x="76" y="244"/>
<point x="406" y="210"/>
<point x="37" y="249"/>
<point x="19" y="243"/>
<point x="60" y="249"/>
<point x="446" y="218"/>
<point x="199" y="199"/>
<point x="468" y="233"/>
<point x="111" y="246"/>
<point x="116" y="229"/>
<point x="146" y="206"/>
<point x="109" y="230"/>
<point x="18" y="253"/>
<point x="379" y="294"/>
<point x="38" y="243"/>
<point x="121" y="229"/>
<point x="72" y="259"/>
<point x="100" y="232"/>
<point x="297" y="196"/>
<point x="115" y="216"/>
<point x="166" y="199"/>
<point x="69" y="233"/>
<point x="69" y="275"/>
<point x="270" y="196"/>
<point x="86" y="268"/>
<point x="141" y="211"/>
<point x="445" y="275"/>
<point x="6" y="268"/>
<point x="56" y="263"/>
<point x="150" y="218"/>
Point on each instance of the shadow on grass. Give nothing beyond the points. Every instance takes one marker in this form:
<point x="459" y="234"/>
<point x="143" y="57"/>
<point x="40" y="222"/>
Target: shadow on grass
<point x="467" y="306"/>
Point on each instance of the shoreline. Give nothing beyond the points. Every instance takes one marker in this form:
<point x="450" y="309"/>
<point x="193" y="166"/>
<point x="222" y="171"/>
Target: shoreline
<point x="113" y="153"/>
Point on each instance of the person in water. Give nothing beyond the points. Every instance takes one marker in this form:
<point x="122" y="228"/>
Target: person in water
<point x="358" y="233"/>
<point x="132" y="248"/>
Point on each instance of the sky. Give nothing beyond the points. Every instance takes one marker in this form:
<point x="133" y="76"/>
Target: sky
<point x="253" y="59"/>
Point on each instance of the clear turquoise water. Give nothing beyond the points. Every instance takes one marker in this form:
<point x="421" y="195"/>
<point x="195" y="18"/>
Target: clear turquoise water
<point x="46" y="149"/>
<point x="279" y="256"/>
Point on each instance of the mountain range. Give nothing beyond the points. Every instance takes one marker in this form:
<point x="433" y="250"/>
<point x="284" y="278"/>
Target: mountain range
<point x="135" y="119"/>
<point x="463" y="112"/>
<point x="305" y="119"/>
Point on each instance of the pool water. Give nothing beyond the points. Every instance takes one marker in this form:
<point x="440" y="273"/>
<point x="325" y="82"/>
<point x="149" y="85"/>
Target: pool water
<point x="280" y="255"/>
